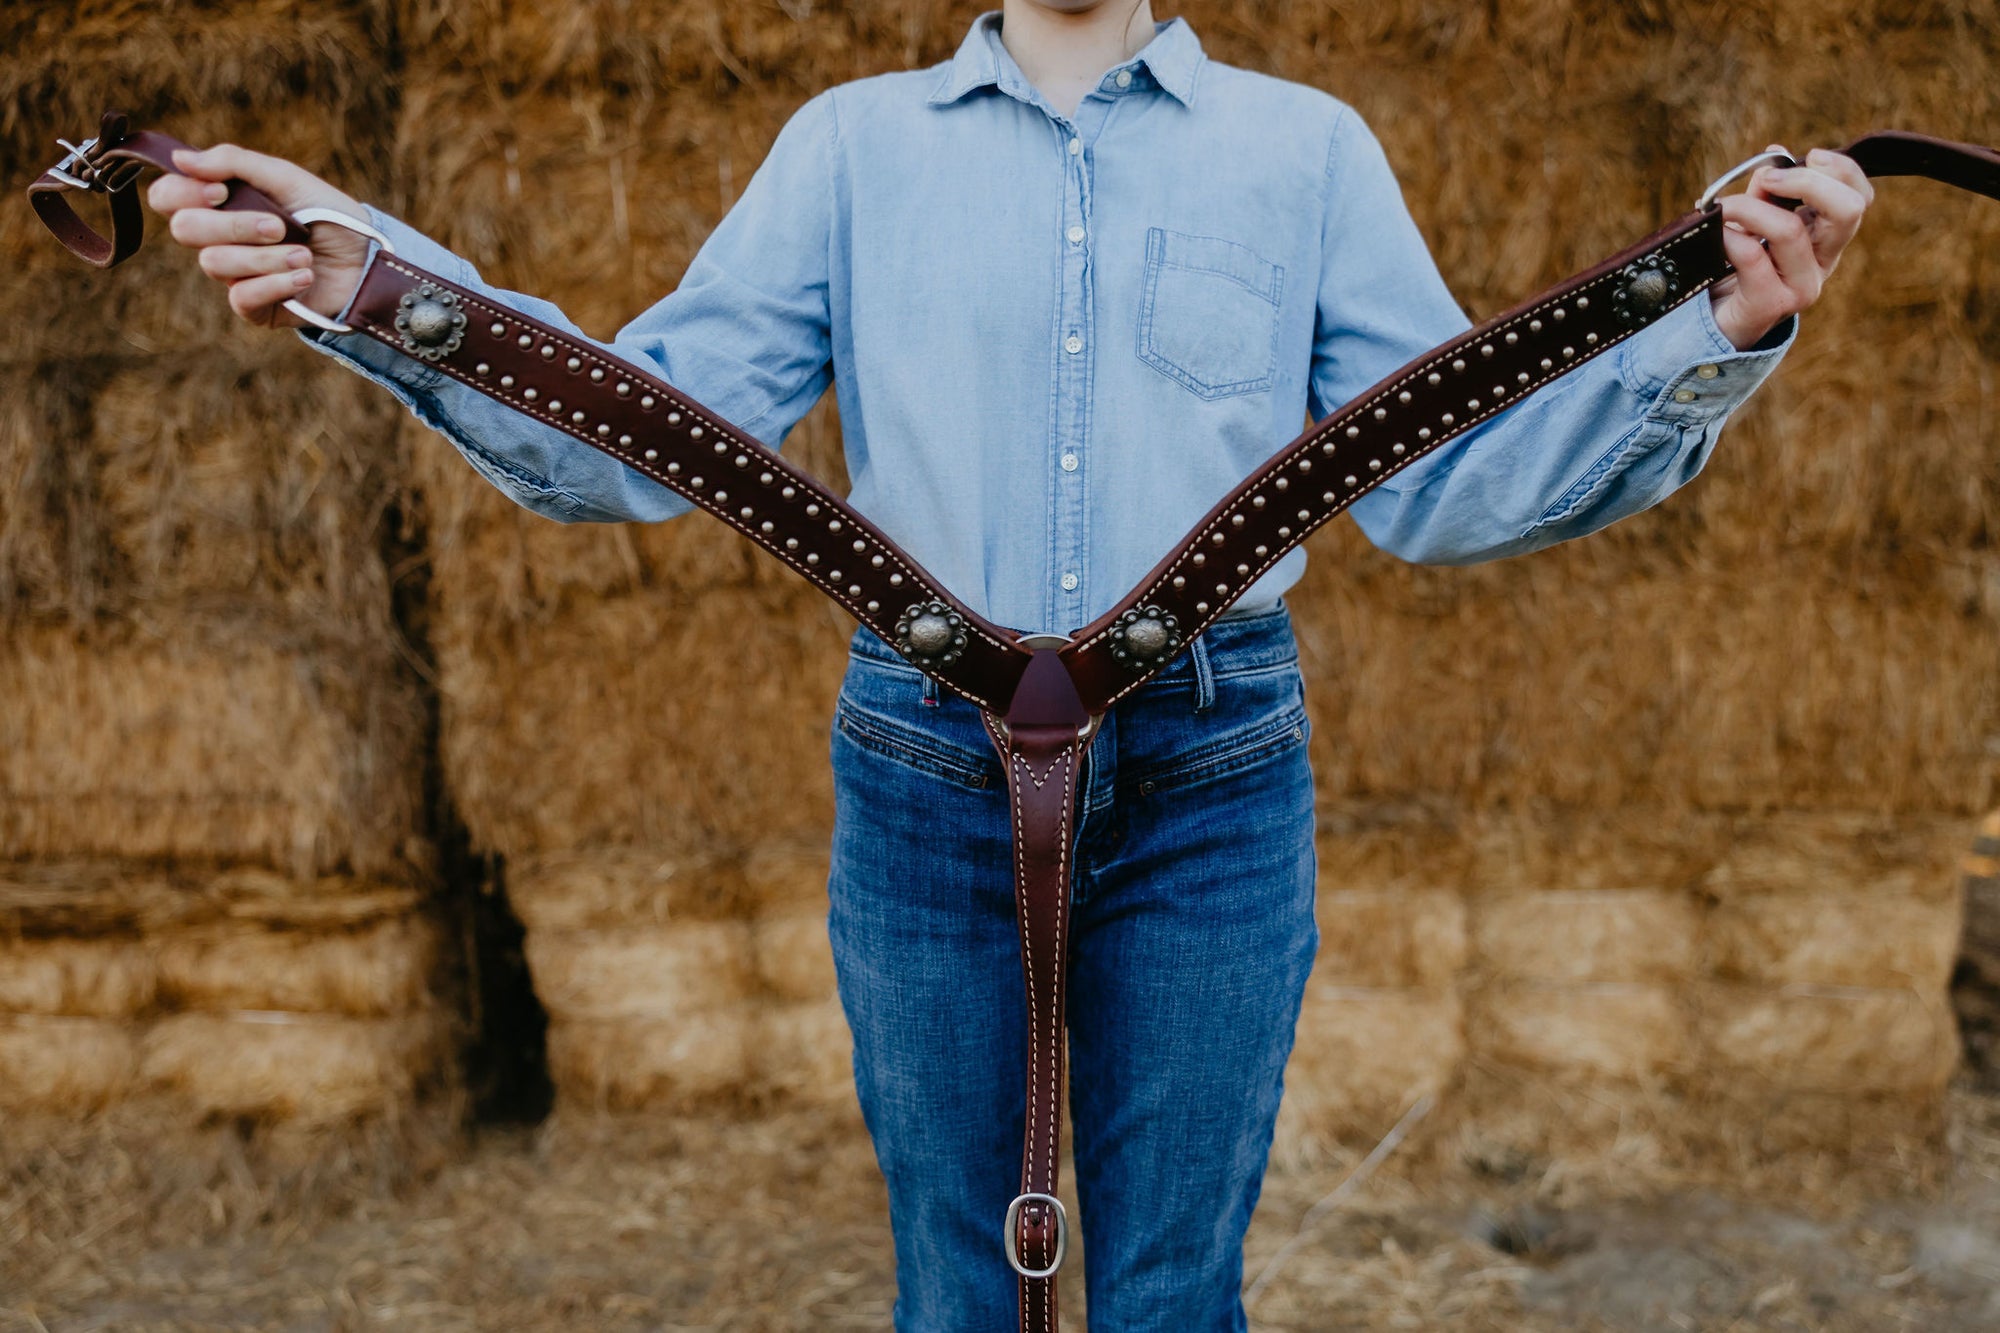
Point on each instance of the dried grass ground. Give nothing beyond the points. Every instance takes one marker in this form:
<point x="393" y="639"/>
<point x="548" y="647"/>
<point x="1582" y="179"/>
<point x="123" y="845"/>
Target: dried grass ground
<point x="688" y="1223"/>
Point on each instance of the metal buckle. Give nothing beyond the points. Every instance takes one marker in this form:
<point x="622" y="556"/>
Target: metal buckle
<point x="1014" y="1246"/>
<point x="79" y="157"/>
<point x="307" y="216"/>
<point x="1748" y="164"/>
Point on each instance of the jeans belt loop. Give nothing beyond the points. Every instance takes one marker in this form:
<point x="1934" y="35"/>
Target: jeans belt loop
<point x="1204" y="676"/>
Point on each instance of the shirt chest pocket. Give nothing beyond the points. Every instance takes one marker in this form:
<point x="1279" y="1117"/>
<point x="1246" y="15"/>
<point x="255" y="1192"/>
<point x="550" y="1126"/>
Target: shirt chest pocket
<point x="1208" y="313"/>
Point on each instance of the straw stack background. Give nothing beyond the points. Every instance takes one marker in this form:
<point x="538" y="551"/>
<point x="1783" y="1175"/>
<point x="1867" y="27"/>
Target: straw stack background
<point x="1651" y="835"/>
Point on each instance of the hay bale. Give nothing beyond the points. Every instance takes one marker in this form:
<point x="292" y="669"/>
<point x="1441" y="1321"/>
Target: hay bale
<point x="94" y="897"/>
<point x="695" y="746"/>
<point x="749" y="1053"/>
<point x="1883" y="677"/>
<point x="611" y="889"/>
<point x="219" y="748"/>
<point x="99" y="978"/>
<point x="307" y="1068"/>
<point x="803" y="1053"/>
<point x="1600" y="1030"/>
<point x="1587" y="935"/>
<point x="1813" y="853"/>
<point x="376" y="971"/>
<point x="65" y="1065"/>
<point x="1390" y="937"/>
<point x="792" y="957"/>
<point x="1843" y="1039"/>
<point x="1835" y="938"/>
<point x="1361" y="1055"/>
<point x="698" y="51"/>
<point x="628" y="1064"/>
<point x="641" y="972"/>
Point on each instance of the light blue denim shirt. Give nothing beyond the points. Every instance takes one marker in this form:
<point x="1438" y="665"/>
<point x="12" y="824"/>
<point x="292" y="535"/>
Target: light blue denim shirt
<point x="1057" y="341"/>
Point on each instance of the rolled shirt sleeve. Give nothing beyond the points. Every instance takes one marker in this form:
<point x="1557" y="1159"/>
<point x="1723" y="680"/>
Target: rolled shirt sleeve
<point x="1612" y="437"/>
<point x="745" y="334"/>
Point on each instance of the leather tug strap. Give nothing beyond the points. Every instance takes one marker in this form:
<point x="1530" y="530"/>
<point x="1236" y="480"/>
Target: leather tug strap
<point x="1040" y="697"/>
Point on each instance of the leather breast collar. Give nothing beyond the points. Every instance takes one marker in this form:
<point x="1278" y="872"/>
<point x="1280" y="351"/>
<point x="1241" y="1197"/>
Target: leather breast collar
<point x="1040" y="696"/>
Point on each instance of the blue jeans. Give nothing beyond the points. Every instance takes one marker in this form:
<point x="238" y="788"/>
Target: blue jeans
<point x="1192" y="933"/>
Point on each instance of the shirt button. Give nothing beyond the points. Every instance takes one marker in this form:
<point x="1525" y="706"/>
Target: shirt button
<point x="1124" y="79"/>
<point x="1075" y="147"/>
<point x="1073" y="344"/>
<point x="1069" y="462"/>
<point x="1069" y="583"/>
<point x="1708" y="372"/>
<point x="1685" y="395"/>
<point x="1076" y="235"/>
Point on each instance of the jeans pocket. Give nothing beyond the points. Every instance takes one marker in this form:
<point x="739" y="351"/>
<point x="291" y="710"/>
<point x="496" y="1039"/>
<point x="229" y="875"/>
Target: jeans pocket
<point x="863" y="716"/>
<point x="1257" y="717"/>
<point x="1208" y="313"/>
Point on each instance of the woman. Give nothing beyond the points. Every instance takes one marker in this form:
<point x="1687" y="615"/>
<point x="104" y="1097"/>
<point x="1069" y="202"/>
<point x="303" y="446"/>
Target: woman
<point x="1071" y="285"/>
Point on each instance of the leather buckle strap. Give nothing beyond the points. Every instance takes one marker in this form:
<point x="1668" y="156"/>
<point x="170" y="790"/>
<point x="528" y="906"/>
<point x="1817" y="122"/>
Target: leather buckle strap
<point x="109" y="164"/>
<point x="1050" y="1225"/>
<point x="1042" y="740"/>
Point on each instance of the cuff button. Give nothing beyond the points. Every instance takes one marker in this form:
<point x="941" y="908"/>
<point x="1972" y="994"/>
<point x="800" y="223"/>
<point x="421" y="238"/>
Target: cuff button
<point x="1708" y="372"/>
<point x="1685" y="395"/>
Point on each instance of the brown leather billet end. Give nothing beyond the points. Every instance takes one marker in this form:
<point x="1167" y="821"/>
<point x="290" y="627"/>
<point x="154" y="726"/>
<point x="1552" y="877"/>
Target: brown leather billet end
<point x="112" y="167"/>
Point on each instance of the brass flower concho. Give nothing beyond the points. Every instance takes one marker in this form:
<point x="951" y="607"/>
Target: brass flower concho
<point x="1645" y="286"/>
<point x="431" y="321"/>
<point x="930" y="634"/>
<point x="1144" y="637"/>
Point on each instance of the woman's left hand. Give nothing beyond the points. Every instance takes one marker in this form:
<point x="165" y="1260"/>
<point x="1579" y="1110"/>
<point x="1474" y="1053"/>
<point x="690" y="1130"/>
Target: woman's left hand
<point x="1782" y="255"/>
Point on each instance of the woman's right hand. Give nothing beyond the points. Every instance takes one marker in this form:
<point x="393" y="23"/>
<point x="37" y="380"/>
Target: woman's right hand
<point x="247" y="250"/>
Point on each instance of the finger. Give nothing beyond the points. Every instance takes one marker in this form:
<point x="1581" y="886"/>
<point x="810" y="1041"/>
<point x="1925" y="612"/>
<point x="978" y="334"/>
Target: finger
<point x="1788" y="242"/>
<point x="170" y="192"/>
<point x="272" y="175"/>
<point x="1844" y="169"/>
<point x="1833" y="198"/>
<point x="230" y="262"/>
<point x="209" y="226"/>
<point x="257" y="299"/>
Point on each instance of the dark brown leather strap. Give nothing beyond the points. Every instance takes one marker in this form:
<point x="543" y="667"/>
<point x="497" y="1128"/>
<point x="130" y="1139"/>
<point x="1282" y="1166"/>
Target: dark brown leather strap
<point x="1041" y="743"/>
<point x="1040" y="702"/>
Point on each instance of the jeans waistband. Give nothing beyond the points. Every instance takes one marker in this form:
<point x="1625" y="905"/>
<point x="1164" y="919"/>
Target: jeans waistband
<point x="1258" y="641"/>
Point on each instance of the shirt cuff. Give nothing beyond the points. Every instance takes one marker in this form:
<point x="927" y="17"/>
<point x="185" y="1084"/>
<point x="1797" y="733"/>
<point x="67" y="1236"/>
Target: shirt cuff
<point x="1689" y="372"/>
<point x="376" y="360"/>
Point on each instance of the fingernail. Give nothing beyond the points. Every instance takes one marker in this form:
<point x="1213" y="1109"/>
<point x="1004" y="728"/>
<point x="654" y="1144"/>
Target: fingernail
<point x="215" y="193"/>
<point x="302" y="277"/>
<point x="298" y="258"/>
<point x="271" y="227"/>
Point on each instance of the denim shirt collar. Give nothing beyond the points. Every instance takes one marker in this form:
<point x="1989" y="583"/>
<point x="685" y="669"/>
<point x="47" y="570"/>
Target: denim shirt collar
<point x="1173" y="58"/>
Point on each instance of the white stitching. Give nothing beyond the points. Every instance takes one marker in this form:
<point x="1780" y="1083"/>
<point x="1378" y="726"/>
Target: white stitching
<point x="1065" y="759"/>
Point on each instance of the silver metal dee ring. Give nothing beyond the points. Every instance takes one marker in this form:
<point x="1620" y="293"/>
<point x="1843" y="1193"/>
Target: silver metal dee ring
<point x="1748" y="164"/>
<point x="1014" y="1247"/>
<point x="306" y="217"/>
